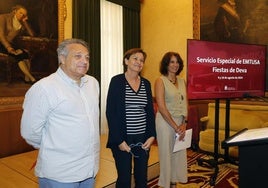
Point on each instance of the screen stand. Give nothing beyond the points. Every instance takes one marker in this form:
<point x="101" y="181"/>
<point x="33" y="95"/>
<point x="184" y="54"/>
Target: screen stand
<point x="215" y="161"/>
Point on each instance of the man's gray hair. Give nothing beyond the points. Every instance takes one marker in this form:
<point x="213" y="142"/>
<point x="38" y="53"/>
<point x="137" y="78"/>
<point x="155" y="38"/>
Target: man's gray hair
<point x="62" y="49"/>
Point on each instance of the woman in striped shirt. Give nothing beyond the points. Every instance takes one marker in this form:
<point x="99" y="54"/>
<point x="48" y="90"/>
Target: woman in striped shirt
<point x="131" y="120"/>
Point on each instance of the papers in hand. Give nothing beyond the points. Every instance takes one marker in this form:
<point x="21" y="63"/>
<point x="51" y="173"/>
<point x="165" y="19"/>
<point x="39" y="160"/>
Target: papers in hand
<point x="185" y="143"/>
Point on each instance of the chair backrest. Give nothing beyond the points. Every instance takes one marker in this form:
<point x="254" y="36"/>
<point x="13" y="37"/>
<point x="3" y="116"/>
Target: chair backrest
<point x="241" y="116"/>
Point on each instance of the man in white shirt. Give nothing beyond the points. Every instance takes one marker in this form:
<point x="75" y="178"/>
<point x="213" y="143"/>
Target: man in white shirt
<point x="61" y="119"/>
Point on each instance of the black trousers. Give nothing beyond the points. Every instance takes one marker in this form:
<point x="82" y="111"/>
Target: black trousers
<point x="123" y="162"/>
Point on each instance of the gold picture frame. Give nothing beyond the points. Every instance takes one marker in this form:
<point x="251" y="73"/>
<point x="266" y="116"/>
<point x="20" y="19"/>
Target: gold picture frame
<point x="62" y="13"/>
<point x="196" y="19"/>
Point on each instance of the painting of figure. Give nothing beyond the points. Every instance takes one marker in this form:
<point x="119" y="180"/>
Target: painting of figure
<point x="240" y="21"/>
<point x="235" y="21"/>
<point x="28" y="41"/>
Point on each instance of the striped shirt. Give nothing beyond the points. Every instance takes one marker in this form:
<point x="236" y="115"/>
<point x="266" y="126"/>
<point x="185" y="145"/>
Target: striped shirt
<point x="135" y="110"/>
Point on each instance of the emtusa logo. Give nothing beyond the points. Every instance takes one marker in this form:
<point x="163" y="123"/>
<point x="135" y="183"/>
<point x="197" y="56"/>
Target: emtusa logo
<point x="228" y="88"/>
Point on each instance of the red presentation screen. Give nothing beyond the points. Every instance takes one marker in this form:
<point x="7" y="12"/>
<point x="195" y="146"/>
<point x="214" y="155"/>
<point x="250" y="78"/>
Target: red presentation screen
<point x="225" y="70"/>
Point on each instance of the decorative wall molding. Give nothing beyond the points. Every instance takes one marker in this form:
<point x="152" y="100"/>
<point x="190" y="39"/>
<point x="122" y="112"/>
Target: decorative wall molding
<point x="10" y="101"/>
<point x="62" y="15"/>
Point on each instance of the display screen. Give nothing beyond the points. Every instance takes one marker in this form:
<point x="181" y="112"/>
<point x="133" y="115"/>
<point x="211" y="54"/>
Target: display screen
<point x="225" y="70"/>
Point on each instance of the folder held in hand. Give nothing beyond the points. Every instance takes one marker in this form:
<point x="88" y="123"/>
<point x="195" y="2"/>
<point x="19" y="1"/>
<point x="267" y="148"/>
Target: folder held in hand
<point x="185" y="143"/>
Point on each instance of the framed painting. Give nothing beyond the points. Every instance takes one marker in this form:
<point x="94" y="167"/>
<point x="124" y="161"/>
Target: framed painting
<point x="235" y="21"/>
<point x="46" y="19"/>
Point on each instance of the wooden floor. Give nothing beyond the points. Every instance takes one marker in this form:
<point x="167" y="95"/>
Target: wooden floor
<point x="16" y="171"/>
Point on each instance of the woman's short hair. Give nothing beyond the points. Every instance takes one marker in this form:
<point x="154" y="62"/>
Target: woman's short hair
<point x="130" y="52"/>
<point x="166" y="60"/>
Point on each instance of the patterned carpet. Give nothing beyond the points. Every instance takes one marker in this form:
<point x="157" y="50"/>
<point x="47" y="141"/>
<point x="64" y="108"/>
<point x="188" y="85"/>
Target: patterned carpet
<point x="200" y="176"/>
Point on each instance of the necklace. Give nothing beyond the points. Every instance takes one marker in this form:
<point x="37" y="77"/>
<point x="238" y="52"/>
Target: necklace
<point x="173" y="82"/>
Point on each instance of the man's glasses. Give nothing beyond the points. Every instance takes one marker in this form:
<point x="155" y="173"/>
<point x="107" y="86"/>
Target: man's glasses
<point x="139" y="144"/>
